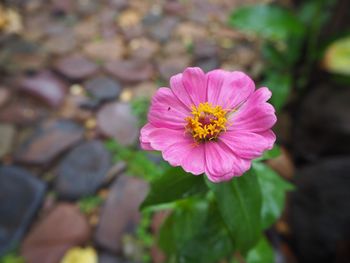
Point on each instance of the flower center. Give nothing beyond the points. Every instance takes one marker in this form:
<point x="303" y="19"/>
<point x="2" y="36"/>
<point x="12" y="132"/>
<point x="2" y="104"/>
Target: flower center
<point x="206" y="122"/>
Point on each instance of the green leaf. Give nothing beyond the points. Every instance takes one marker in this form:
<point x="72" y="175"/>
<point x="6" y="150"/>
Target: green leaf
<point x="280" y="85"/>
<point x="194" y="233"/>
<point x="273" y="189"/>
<point x="337" y="57"/>
<point x="261" y="253"/>
<point x="268" y="21"/>
<point x="239" y="202"/>
<point x="89" y="203"/>
<point x="173" y="185"/>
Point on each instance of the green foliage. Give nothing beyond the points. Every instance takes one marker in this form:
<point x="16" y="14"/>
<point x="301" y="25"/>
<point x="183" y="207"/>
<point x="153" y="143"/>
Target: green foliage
<point x="239" y="202"/>
<point x="173" y="185"/>
<point x="139" y="163"/>
<point x="143" y="234"/>
<point x="268" y="21"/>
<point x="280" y="85"/>
<point x="139" y="108"/>
<point x="273" y="189"/>
<point x="195" y="232"/>
<point x="89" y="203"/>
<point x="261" y="253"/>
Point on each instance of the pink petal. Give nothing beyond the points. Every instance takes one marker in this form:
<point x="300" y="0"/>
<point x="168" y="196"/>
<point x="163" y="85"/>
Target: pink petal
<point x="167" y="111"/>
<point x="228" y="89"/>
<point x="270" y="137"/>
<point x="194" y="161"/>
<point x="219" y="165"/>
<point x="194" y="81"/>
<point x="144" y="140"/>
<point x="255" y="115"/>
<point x="246" y="144"/>
<point x="179" y="90"/>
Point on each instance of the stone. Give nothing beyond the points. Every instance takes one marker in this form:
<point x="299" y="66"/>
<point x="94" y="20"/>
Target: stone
<point x="62" y="43"/>
<point x="162" y="30"/>
<point x="76" y="67"/>
<point x="322" y="125"/>
<point x="4" y="96"/>
<point x="63" y="228"/>
<point x="320" y="210"/>
<point x="21" y="195"/>
<point x="205" y="49"/>
<point x="45" y="86"/>
<point x="143" y="48"/>
<point x="117" y="121"/>
<point x="120" y="214"/>
<point x="170" y="66"/>
<point x="174" y="8"/>
<point x="119" y="4"/>
<point x="103" y="88"/>
<point x="7" y="134"/>
<point x="110" y="258"/>
<point x="132" y="70"/>
<point x="83" y="170"/>
<point x="87" y="29"/>
<point x="20" y="113"/>
<point x="104" y="50"/>
<point x="48" y="141"/>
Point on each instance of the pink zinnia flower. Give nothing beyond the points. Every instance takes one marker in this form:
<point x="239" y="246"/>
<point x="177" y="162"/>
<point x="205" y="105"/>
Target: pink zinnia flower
<point x="213" y="123"/>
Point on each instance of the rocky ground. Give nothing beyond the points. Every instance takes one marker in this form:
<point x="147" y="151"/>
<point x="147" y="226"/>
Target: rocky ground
<point x="68" y="72"/>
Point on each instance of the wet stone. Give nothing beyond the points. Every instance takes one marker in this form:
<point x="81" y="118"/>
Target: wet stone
<point x="63" y="228"/>
<point x="132" y="70"/>
<point x="76" y="67"/>
<point x="120" y="214"/>
<point x="83" y="170"/>
<point x="46" y="86"/>
<point x="48" y="141"/>
<point x="103" y="88"/>
<point x="124" y="128"/>
<point x="21" y="195"/>
<point x="7" y="133"/>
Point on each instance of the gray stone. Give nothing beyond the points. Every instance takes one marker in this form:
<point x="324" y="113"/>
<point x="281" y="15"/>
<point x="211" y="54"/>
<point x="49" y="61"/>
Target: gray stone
<point x="120" y="214"/>
<point x="116" y="120"/>
<point x="83" y="170"/>
<point x="103" y="88"/>
<point x="21" y="195"/>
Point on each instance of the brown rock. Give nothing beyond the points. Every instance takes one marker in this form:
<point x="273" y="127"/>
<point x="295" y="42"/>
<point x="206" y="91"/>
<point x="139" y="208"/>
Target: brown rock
<point x="132" y="70"/>
<point x="62" y="43"/>
<point x="143" y="48"/>
<point x="48" y="141"/>
<point x="19" y="113"/>
<point x="105" y="50"/>
<point x="117" y="121"/>
<point x="120" y="214"/>
<point x="76" y="67"/>
<point x="7" y="133"/>
<point x="45" y="86"/>
<point x="60" y="230"/>
<point x="4" y="96"/>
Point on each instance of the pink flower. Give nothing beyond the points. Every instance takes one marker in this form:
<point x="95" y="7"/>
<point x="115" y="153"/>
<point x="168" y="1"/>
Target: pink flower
<point x="213" y="123"/>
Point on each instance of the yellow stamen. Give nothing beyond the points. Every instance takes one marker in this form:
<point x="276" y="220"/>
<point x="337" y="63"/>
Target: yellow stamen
<point x="207" y="122"/>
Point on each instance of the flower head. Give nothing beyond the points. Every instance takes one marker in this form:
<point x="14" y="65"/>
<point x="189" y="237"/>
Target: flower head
<point x="213" y="123"/>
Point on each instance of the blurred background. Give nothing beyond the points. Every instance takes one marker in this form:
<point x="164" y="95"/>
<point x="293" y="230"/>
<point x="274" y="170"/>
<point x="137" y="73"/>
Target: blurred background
<point x="76" y="75"/>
